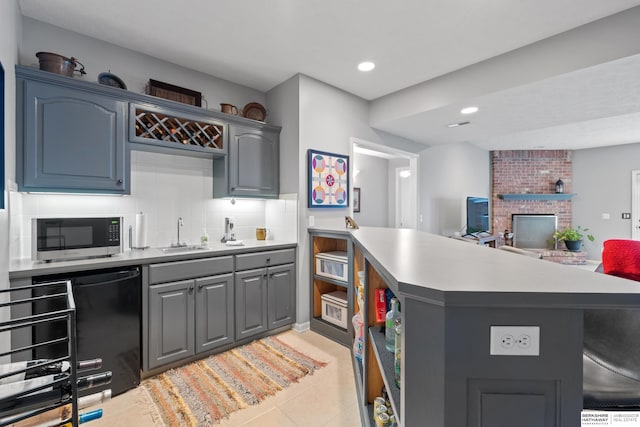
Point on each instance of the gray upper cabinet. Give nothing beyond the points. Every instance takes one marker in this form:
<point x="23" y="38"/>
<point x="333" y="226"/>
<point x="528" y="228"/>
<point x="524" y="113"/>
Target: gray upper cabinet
<point x="251" y="168"/>
<point x="69" y="139"/>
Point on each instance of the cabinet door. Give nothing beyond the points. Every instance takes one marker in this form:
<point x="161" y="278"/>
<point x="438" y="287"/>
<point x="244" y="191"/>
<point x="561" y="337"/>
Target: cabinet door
<point x="214" y="312"/>
<point x="253" y="162"/>
<point x="251" y="302"/>
<point x="171" y="317"/>
<point x="281" y="289"/>
<point x="73" y="141"/>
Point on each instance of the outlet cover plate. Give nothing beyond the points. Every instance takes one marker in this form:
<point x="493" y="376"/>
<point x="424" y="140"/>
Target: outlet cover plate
<point x="515" y="341"/>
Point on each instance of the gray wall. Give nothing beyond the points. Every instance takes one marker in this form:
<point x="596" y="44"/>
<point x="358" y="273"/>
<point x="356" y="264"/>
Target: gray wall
<point x="9" y="41"/>
<point x="134" y="68"/>
<point x="448" y="174"/>
<point x="374" y="195"/>
<point x="328" y="119"/>
<point x="284" y="101"/>
<point x="602" y="183"/>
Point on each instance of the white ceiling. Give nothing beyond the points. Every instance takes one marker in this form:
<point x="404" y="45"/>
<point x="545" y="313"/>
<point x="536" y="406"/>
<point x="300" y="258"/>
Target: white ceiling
<point x="261" y="43"/>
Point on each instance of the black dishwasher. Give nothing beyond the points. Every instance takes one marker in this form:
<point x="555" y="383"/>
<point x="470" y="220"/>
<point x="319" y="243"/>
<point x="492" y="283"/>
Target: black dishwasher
<point x="108" y="308"/>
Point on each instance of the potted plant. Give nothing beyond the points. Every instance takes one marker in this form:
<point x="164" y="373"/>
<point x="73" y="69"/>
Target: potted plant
<point x="572" y="237"/>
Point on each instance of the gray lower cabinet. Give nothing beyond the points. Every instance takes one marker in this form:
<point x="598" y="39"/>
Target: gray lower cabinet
<point x="214" y="312"/>
<point x="251" y="303"/>
<point x="171" y="322"/>
<point x="281" y="287"/>
<point x="69" y="139"/>
<point x="265" y="291"/>
<point x="189" y="312"/>
<point x="194" y="306"/>
<point x="251" y="168"/>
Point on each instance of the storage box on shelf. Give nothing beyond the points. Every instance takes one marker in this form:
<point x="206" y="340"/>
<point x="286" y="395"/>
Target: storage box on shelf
<point x="331" y="272"/>
<point x="334" y="308"/>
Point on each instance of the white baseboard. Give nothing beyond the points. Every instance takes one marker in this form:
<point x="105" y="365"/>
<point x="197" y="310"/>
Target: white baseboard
<point x="301" y="327"/>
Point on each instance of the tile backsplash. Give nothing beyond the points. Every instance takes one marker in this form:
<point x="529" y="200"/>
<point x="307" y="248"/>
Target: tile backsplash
<point x="164" y="187"/>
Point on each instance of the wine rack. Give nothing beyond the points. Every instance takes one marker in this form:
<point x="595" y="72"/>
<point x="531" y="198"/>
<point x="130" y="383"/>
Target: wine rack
<point x="36" y="400"/>
<point x="161" y="127"/>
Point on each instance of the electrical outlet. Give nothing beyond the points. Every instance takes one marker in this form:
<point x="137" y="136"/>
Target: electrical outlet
<point x="626" y="215"/>
<point x="515" y="341"/>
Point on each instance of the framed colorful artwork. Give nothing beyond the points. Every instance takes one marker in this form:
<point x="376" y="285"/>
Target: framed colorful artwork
<point x="328" y="179"/>
<point x="356" y="199"/>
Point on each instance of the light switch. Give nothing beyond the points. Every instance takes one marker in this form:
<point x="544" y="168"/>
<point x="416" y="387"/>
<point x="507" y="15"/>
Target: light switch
<point x="606" y="216"/>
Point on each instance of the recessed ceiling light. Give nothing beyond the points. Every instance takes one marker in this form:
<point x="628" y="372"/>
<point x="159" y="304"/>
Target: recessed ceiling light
<point x="366" y="66"/>
<point x="469" y="110"/>
<point x="455" y="125"/>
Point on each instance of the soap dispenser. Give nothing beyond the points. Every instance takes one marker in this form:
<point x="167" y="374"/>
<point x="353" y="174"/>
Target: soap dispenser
<point x="204" y="238"/>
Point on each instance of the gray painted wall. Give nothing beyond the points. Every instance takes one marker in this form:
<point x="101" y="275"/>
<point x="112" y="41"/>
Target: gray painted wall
<point x="284" y="101"/>
<point x="134" y="68"/>
<point x="329" y="117"/>
<point x="373" y="181"/>
<point x="448" y="174"/>
<point x="602" y="183"/>
<point x="9" y="41"/>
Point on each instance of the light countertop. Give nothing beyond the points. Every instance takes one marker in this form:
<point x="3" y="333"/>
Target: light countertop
<point x="26" y="267"/>
<point x="448" y="272"/>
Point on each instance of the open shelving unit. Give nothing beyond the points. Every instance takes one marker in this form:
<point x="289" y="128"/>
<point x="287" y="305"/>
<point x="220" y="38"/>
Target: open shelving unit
<point x="378" y="370"/>
<point x="322" y="242"/>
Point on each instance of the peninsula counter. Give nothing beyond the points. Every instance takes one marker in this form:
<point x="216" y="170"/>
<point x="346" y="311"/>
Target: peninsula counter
<point x="452" y="294"/>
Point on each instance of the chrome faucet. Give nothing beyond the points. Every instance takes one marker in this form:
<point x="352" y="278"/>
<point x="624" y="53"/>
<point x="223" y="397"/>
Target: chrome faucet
<point x="180" y="224"/>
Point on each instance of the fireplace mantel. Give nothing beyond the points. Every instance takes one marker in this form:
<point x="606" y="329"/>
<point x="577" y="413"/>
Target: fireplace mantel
<point x="530" y="196"/>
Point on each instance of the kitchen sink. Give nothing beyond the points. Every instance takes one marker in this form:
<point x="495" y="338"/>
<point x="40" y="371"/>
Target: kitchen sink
<point x="173" y="249"/>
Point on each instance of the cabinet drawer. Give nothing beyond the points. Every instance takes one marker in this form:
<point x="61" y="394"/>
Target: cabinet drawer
<point x="264" y="259"/>
<point x="179" y="270"/>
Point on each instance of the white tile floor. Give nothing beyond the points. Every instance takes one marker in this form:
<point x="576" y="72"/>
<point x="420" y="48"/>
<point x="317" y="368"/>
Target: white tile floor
<point x="326" y="398"/>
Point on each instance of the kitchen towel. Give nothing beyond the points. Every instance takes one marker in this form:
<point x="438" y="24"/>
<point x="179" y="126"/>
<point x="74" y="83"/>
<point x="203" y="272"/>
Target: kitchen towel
<point x="141" y="231"/>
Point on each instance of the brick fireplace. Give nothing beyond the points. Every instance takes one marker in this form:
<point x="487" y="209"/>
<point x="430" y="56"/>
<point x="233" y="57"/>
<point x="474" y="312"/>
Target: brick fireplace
<point x="529" y="172"/>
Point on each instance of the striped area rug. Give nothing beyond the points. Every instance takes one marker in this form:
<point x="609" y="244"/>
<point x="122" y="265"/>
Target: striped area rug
<point x="206" y="391"/>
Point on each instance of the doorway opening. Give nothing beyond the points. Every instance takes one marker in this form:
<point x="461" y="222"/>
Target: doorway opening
<point x="387" y="179"/>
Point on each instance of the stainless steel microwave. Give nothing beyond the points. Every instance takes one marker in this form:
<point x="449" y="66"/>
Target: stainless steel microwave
<point x="72" y="238"/>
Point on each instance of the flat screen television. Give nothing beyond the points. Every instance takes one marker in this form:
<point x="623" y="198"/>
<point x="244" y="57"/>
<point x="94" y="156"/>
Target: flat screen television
<point x="477" y="215"/>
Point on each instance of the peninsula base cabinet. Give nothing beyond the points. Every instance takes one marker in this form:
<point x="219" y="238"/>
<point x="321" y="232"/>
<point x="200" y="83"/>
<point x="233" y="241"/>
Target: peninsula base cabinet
<point x="265" y="296"/>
